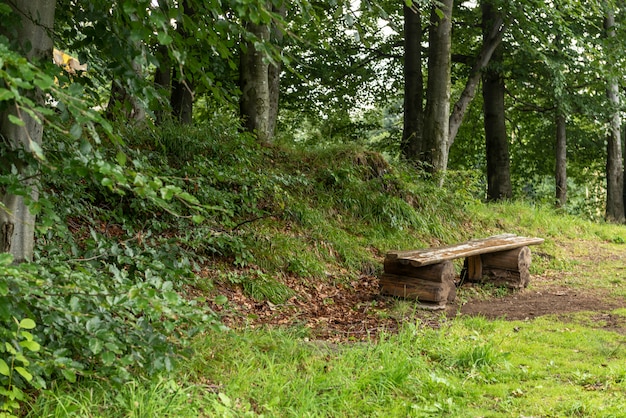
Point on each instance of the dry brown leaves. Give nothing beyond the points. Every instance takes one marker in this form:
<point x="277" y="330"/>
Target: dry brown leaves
<point x="336" y="312"/>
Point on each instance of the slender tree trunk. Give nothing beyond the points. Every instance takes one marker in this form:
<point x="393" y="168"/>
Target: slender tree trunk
<point x="255" y="90"/>
<point x="561" y="160"/>
<point x="182" y="96"/>
<point x="437" y="112"/>
<point x="182" y="100"/>
<point x="274" y="74"/>
<point x="497" y="145"/>
<point x="560" y="169"/>
<point x="163" y="83"/>
<point x="614" y="162"/>
<point x="490" y="42"/>
<point x="624" y="188"/>
<point x="17" y="223"/>
<point x="412" y="135"/>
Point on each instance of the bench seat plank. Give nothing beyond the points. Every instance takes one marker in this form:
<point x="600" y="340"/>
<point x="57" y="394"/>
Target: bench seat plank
<point x="425" y="257"/>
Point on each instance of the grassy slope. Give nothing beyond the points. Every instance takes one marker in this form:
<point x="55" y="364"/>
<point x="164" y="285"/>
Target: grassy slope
<point x="335" y="212"/>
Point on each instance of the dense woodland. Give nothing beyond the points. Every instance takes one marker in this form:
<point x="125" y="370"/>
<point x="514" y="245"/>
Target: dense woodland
<point x="509" y="99"/>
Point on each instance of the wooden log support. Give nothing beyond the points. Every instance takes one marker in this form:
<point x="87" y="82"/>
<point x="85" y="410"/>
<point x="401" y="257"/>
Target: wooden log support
<point x="434" y="283"/>
<point x="505" y="268"/>
<point x="474" y="266"/>
<point x="433" y="273"/>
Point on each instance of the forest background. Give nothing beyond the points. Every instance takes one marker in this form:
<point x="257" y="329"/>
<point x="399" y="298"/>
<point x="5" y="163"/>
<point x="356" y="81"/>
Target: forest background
<point x="401" y="80"/>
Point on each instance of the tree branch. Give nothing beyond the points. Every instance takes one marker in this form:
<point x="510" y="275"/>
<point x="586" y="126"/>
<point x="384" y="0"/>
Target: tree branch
<point x="460" y="107"/>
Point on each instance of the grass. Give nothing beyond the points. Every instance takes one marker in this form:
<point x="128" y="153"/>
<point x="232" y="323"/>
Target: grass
<point x="136" y="399"/>
<point x="470" y="367"/>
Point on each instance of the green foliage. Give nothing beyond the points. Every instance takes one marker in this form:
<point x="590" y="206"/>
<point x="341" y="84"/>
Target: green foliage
<point x="15" y="367"/>
<point x="113" y="314"/>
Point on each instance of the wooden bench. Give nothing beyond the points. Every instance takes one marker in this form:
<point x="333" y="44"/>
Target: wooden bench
<point x="428" y="275"/>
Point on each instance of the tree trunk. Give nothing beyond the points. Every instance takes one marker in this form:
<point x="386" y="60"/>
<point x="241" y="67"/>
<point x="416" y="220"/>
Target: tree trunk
<point x="614" y="163"/>
<point x="182" y="96"/>
<point x="497" y="146"/>
<point x="273" y="75"/>
<point x="162" y="83"/>
<point x="561" y="161"/>
<point x="412" y="135"/>
<point x="437" y="112"/>
<point x="254" y="84"/>
<point x="490" y="42"/>
<point x="17" y="224"/>
<point x="182" y="100"/>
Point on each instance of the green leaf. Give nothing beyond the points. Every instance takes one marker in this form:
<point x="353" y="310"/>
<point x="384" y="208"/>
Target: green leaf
<point x="164" y="38"/>
<point x="27" y="323"/>
<point x="93" y="324"/>
<point x="121" y="158"/>
<point x="36" y="149"/>
<point x="4" y="368"/>
<point x="26" y="335"/>
<point x="75" y="304"/>
<point x="76" y="131"/>
<point x="95" y="345"/>
<point x="85" y="147"/>
<point x="107" y="182"/>
<point x="44" y="82"/>
<point x="171" y="297"/>
<point x="107" y="357"/>
<point x="221" y="300"/>
<point x="31" y="345"/>
<point x="22" y="359"/>
<point x="24" y="373"/>
<point x="198" y="219"/>
<point x="168" y="192"/>
<point x="15" y="120"/>
<point x="225" y="399"/>
<point x="69" y="375"/>
<point x="113" y="348"/>
<point x="6" y="95"/>
<point x="188" y="197"/>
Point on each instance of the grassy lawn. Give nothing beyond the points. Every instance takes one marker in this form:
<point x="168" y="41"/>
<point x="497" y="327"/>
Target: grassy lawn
<point x="470" y="367"/>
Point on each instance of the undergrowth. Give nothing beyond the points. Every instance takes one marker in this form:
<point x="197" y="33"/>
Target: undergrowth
<point x="118" y="287"/>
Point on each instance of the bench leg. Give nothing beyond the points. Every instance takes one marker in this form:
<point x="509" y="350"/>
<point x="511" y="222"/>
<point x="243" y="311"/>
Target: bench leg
<point x="474" y="268"/>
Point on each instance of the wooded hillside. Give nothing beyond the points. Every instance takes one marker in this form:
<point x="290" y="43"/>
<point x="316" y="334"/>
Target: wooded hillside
<point x="189" y="139"/>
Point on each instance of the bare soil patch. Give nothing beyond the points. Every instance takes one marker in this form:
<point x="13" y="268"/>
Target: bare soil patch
<point x="531" y="303"/>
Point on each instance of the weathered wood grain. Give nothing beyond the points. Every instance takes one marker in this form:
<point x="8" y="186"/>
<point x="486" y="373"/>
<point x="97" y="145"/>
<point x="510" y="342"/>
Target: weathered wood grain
<point x="414" y="288"/>
<point x="439" y="272"/>
<point x="497" y="243"/>
<point x="506" y="268"/>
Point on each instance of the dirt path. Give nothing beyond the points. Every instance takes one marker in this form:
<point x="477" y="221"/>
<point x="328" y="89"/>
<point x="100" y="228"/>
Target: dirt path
<point x="531" y="303"/>
<point x="356" y="311"/>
